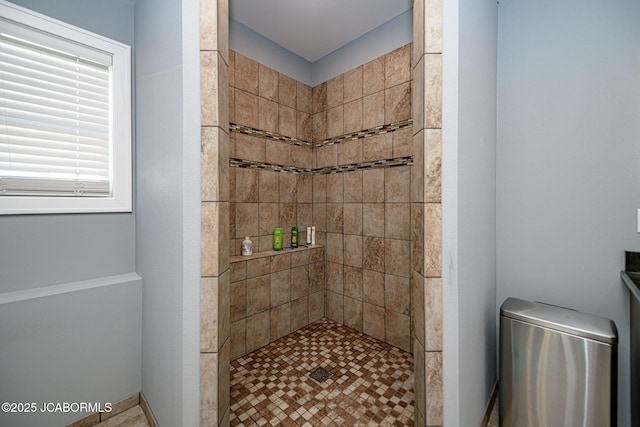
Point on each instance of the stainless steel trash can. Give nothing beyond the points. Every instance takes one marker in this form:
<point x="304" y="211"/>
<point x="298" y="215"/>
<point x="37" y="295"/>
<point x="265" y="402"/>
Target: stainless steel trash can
<point x="558" y="367"/>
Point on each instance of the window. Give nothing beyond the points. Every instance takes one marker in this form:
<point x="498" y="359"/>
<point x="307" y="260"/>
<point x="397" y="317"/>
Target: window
<point x="65" y="117"/>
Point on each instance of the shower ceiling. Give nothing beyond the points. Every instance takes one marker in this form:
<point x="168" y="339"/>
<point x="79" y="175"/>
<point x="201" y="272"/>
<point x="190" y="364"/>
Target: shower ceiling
<point x="314" y="28"/>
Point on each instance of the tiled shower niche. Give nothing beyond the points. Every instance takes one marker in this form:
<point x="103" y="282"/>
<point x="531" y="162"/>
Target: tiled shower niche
<point x="336" y="156"/>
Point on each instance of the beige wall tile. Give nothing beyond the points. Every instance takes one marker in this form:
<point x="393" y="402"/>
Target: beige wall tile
<point x="433" y="26"/>
<point x="396" y="184"/>
<point x="403" y="143"/>
<point x="209" y="314"/>
<point x="209" y="389"/>
<point x="305" y="219"/>
<point x="258" y="267"/>
<point x="397" y="221"/>
<point x="396" y="255"/>
<point x="377" y="147"/>
<point x="232" y="103"/>
<point x="287" y="90"/>
<point x="209" y="216"/>
<point x="247" y="184"/>
<point x="319" y="188"/>
<point x="246" y="109"/>
<point x="350" y="152"/>
<point x="223" y="94"/>
<point x="320" y="126"/>
<point x="316" y="277"/>
<point x="353" y="250"/>
<point x="418" y="31"/>
<point x="208" y="25"/>
<point x="397" y="292"/>
<point x="223" y="236"/>
<point x="287" y="121"/>
<point x="280" y="321"/>
<point x="433" y="243"/>
<point x="268" y="186"/>
<point x="304" y="126"/>
<point x="209" y="79"/>
<point x="335" y="188"/>
<point x="258" y="331"/>
<point x="223" y="308"/>
<point x="373" y="287"/>
<point x="223" y="29"/>
<point x="304" y="98"/>
<point x="267" y="83"/>
<point x="417" y="96"/>
<point x="433" y="166"/>
<point x="232" y="69"/>
<point x="238" y="301"/>
<point x="335" y="121"/>
<point x="335" y="248"/>
<point x="397" y="103"/>
<point x="258" y="294"/>
<point x="238" y="271"/>
<point x="320" y="219"/>
<point x="433" y="314"/>
<point x="250" y="147"/>
<point x="316" y="255"/>
<point x="288" y="215"/>
<point x="327" y="156"/>
<point x="353" y="84"/>
<point x="433" y="388"/>
<point x="209" y="164"/>
<point x="335" y="91"/>
<point x="417" y="308"/>
<point x="373" y="76"/>
<point x="224" y="187"/>
<point x="373" y="321"/>
<point x="299" y="313"/>
<point x="353" y="282"/>
<point x="352" y="218"/>
<point x="417" y="169"/>
<point x="280" y="262"/>
<point x="319" y="97"/>
<point x="246" y="74"/>
<point x="419" y="381"/>
<point x="433" y="91"/>
<point x="304" y="188"/>
<point x="353" y="116"/>
<point x="268" y="218"/>
<point x="267" y="115"/>
<point x="397" y="66"/>
<point x="237" y="339"/>
<point x="334" y="218"/>
<point x="335" y="307"/>
<point x="417" y="237"/>
<point x="287" y="184"/>
<point x="299" y="259"/>
<point x="335" y="281"/>
<point x="299" y="282"/>
<point x="373" y="192"/>
<point x="373" y="253"/>
<point x="373" y="110"/>
<point x="278" y="153"/>
<point x="316" y="306"/>
<point x="353" y="187"/>
<point x="397" y="330"/>
<point x="353" y="313"/>
<point x="373" y="219"/>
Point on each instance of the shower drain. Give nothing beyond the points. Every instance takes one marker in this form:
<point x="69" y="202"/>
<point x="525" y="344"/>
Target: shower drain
<point x="320" y="375"/>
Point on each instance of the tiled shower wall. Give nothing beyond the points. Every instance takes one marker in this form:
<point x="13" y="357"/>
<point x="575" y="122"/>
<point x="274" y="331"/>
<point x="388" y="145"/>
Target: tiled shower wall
<point x="368" y="208"/>
<point x="365" y="227"/>
<point x="426" y="211"/>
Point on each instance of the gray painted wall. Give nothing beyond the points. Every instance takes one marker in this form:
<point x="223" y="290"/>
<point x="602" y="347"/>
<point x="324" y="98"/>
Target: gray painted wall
<point x="469" y="208"/>
<point x="568" y="157"/>
<point x="168" y="205"/>
<point x="79" y="343"/>
<point x="391" y="35"/>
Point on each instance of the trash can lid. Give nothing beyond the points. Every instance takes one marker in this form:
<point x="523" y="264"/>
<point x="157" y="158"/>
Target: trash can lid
<point x="561" y="319"/>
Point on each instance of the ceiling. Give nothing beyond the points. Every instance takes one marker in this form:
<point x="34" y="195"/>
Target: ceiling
<point x="314" y="28"/>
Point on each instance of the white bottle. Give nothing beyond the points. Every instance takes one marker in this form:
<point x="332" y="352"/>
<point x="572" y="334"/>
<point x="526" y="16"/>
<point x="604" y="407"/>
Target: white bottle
<point x="308" y="235"/>
<point x="313" y="235"/>
<point x="247" y="246"/>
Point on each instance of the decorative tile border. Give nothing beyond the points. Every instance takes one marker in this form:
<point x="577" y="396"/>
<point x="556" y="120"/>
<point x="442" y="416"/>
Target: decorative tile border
<point x="378" y="130"/>
<point x="268" y="135"/>
<point x="385" y="163"/>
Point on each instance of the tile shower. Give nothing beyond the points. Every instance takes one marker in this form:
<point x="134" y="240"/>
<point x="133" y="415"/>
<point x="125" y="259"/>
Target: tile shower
<point x="345" y="156"/>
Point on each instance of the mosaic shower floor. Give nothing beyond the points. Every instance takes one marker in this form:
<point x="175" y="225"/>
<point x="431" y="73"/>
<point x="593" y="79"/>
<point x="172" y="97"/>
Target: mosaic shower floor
<point x="371" y="383"/>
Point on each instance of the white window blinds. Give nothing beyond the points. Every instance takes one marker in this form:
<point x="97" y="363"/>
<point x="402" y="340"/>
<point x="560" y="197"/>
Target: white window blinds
<point x="55" y="115"/>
